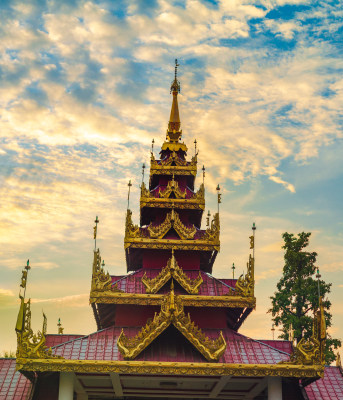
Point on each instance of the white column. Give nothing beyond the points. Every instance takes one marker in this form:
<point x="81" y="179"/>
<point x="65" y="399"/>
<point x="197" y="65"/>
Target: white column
<point x="274" y="388"/>
<point x="66" y="389"/>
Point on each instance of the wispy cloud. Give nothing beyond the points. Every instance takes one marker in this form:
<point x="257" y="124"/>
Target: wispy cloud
<point x="84" y="89"/>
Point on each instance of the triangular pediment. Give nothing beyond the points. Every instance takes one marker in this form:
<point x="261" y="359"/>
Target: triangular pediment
<point x="172" y="313"/>
<point x="172" y="271"/>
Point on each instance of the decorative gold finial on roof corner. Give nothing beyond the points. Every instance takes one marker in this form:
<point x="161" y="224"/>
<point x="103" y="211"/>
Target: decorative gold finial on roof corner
<point x="59" y="327"/>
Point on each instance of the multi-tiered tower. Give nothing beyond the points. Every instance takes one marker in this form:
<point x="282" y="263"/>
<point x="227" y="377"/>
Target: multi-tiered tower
<point x="170" y="259"/>
<point x="168" y="328"/>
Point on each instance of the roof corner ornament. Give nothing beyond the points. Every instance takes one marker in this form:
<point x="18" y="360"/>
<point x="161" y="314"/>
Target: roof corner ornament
<point x="29" y="344"/>
<point x="310" y="351"/>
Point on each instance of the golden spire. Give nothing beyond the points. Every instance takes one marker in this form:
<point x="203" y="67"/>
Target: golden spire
<point x="174" y="124"/>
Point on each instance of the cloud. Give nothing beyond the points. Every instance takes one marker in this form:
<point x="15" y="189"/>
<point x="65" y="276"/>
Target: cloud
<point x="78" y="300"/>
<point x="7" y="298"/>
<point x="287" y="185"/>
<point x="85" y="88"/>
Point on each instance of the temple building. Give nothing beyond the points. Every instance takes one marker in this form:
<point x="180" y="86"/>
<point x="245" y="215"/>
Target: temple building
<point x="168" y="329"/>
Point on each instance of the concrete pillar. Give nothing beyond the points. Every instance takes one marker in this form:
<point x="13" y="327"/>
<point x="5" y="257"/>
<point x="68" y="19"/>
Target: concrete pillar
<point x="274" y="388"/>
<point x="66" y="389"/>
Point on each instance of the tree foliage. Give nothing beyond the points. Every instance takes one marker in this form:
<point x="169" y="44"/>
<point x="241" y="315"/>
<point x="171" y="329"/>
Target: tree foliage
<point x="297" y="295"/>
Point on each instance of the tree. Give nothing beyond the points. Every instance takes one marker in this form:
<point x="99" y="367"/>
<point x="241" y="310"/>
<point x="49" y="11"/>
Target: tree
<point x="297" y="297"/>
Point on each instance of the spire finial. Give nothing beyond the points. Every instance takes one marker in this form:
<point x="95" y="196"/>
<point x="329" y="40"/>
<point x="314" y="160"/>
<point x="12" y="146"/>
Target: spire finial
<point x="176" y="65"/>
<point x="174" y="133"/>
<point x="59" y="327"/>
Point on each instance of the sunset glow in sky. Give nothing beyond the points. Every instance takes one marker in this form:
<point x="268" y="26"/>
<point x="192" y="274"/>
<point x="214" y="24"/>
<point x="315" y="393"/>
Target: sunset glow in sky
<point x="84" y="88"/>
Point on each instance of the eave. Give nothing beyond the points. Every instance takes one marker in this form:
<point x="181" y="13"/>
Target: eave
<point x="157" y="169"/>
<point x="188" y="300"/>
<point x="158" y="202"/>
<point x="169" y="244"/>
<point x="170" y="368"/>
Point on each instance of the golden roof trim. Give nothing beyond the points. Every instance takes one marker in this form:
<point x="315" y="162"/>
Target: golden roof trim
<point x="188" y="300"/>
<point x="179" y="204"/>
<point x="170" y="271"/>
<point x="171" y="368"/>
<point x="164" y="167"/>
<point x="172" y="220"/>
<point x="30" y="345"/>
<point x="101" y="281"/>
<point x="147" y="198"/>
<point x="172" y="312"/>
<point x="136" y="235"/>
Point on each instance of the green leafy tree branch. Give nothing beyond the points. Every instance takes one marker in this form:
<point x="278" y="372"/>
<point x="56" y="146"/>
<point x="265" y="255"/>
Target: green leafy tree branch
<point x="297" y="295"/>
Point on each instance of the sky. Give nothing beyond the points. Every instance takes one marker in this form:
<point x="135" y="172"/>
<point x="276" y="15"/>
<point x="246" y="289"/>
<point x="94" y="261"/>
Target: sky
<point x="84" y="88"/>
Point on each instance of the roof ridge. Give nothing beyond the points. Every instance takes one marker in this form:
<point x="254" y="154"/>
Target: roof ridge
<point x="264" y="344"/>
<point x="217" y="279"/>
<point x="125" y="276"/>
<point x="80" y="338"/>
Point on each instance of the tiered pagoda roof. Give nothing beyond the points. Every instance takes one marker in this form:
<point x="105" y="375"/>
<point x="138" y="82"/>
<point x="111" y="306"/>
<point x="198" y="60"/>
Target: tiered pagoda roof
<point x="169" y="316"/>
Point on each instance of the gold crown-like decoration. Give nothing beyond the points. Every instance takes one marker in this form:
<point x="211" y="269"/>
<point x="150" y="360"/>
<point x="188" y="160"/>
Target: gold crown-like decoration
<point x="30" y="345"/>
<point x="101" y="281"/>
<point x="172" y="187"/>
<point x="172" y="312"/>
<point x="171" y="166"/>
<point x="311" y="351"/>
<point x="172" y="159"/>
<point x="172" y="270"/>
<point x="196" y="201"/>
<point x="152" y="236"/>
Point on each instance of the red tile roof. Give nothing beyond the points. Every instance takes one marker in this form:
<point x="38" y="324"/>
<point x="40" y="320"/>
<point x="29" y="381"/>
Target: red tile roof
<point x="328" y="388"/>
<point x="102" y="345"/>
<point x="283" y="345"/>
<point x="54" y="339"/>
<point x="132" y="283"/>
<point x="13" y="385"/>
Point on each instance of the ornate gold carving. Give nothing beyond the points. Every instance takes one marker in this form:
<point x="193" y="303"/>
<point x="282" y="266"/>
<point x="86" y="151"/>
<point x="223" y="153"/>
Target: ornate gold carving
<point x="171" y="313"/>
<point x="252" y="241"/>
<point x="169" y="244"/>
<point x="172" y="146"/>
<point x="29" y="344"/>
<point x="213" y="232"/>
<point x="165" y="167"/>
<point x="188" y="300"/>
<point x="145" y="193"/>
<point x="311" y="351"/>
<point x="101" y="281"/>
<point x="172" y="368"/>
<point x="246" y="283"/>
<point x="172" y="220"/>
<point x="131" y="230"/>
<point x="173" y="159"/>
<point x="172" y="187"/>
<point x="196" y="202"/>
<point x="172" y="270"/>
